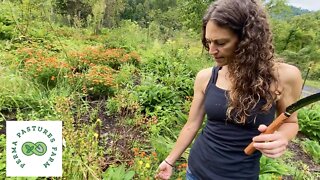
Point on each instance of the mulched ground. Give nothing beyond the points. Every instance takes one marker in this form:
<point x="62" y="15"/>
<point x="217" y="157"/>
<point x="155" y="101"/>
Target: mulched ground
<point x="300" y="155"/>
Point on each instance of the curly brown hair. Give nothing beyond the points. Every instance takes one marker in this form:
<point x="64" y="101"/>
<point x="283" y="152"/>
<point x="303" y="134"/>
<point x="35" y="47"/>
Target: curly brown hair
<point x="251" y="70"/>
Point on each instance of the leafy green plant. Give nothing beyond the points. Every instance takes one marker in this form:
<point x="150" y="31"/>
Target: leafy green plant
<point x="309" y="121"/>
<point x="127" y="76"/>
<point x="153" y="96"/>
<point x="312" y="148"/>
<point x="118" y="173"/>
<point x="272" y="167"/>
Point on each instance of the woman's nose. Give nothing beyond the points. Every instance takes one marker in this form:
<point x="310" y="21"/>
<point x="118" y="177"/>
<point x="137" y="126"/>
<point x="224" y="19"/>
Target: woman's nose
<point x="213" y="49"/>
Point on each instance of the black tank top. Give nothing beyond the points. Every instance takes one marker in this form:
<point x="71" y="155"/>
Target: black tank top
<point x="217" y="153"/>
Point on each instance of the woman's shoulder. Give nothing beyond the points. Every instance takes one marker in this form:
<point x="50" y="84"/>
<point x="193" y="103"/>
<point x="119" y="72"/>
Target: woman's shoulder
<point x="289" y="78"/>
<point x="205" y="73"/>
<point x="203" y="77"/>
<point x="287" y="73"/>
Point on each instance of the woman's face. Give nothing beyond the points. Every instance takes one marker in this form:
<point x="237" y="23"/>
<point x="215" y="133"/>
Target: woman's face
<point x="222" y="43"/>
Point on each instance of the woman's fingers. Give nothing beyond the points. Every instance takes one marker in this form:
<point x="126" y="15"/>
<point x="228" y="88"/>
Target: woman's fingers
<point x="271" y="145"/>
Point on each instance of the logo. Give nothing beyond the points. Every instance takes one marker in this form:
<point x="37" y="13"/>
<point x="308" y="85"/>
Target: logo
<point x="28" y="148"/>
<point x="34" y="148"/>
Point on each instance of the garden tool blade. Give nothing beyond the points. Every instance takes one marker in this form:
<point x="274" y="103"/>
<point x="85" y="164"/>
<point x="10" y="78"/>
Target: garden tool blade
<point x="303" y="102"/>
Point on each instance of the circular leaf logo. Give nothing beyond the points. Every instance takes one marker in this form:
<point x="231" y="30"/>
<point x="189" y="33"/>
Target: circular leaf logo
<point x="29" y="148"/>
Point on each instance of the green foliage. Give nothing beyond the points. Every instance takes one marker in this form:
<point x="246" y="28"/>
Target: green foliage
<point x="192" y="12"/>
<point x="278" y="9"/>
<point x="118" y="173"/>
<point x="309" y="121"/>
<point x="129" y="36"/>
<point x="162" y="144"/>
<point x="171" y="68"/>
<point x="127" y="76"/>
<point x="156" y="96"/>
<point x="124" y="103"/>
<point x="137" y="11"/>
<point x="300" y="170"/>
<point x="145" y="164"/>
<point x="17" y="92"/>
<point x="315" y="84"/>
<point x="82" y="156"/>
<point x="6" y="29"/>
<point x="77" y="11"/>
<point x="2" y="154"/>
<point x="272" y="167"/>
<point x="7" y="24"/>
<point x="312" y="148"/>
<point x="315" y="71"/>
<point x="297" y="39"/>
<point x="269" y="177"/>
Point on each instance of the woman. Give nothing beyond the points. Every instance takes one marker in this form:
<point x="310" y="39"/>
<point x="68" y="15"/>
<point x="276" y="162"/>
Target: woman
<point x="240" y="97"/>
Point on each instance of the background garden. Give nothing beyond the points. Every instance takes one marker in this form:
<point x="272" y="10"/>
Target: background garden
<point x="120" y="73"/>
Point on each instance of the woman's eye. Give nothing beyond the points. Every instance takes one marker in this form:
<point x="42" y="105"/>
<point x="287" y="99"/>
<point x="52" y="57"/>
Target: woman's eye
<point x="217" y="43"/>
<point x="221" y="43"/>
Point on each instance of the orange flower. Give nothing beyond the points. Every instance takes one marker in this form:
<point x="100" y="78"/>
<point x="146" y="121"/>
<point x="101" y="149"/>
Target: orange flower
<point x="142" y="154"/>
<point x="136" y="151"/>
<point x="154" y="154"/>
<point x="183" y="165"/>
<point x="53" y="78"/>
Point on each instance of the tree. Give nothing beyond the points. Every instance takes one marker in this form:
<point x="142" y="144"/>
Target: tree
<point x="113" y="10"/>
<point x="192" y="12"/>
<point x="76" y="10"/>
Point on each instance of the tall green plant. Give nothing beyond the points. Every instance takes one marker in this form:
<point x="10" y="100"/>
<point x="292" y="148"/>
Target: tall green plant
<point x="17" y="92"/>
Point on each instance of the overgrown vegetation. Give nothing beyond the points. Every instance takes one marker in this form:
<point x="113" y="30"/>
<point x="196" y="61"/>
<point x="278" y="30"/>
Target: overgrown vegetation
<point x="120" y="77"/>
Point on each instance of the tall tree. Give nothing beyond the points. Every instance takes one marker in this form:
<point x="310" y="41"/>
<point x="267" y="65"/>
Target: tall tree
<point x="192" y="12"/>
<point x="113" y="10"/>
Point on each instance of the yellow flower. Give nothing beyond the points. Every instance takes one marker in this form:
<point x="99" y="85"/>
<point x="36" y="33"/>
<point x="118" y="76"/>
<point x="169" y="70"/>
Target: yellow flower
<point x="95" y="135"/>
<point x="140" y="162"/>
<point x="147" y="165"/>
<point x="99" y="121"/>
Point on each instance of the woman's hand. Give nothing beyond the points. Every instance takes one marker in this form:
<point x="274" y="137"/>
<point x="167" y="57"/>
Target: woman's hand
<point x="164" y="171"/>
<point x="270" y="145"/>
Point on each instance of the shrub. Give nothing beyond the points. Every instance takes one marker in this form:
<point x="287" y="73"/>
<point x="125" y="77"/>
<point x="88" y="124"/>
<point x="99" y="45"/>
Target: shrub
<point x="98" y="55"/>
<point x="99" y="80"/>
<point x="6" y="27"/>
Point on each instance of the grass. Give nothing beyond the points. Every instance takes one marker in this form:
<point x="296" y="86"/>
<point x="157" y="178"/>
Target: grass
<point x="313" y="83"/>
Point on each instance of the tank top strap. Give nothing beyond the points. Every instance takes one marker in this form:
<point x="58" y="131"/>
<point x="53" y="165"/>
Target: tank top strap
<point x="215" y="74"/>
<point x="213" y="77"/>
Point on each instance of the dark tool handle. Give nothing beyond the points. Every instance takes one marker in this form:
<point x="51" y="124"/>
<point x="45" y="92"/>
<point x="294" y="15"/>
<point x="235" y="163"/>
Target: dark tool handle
<point x="270" y="129"/>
